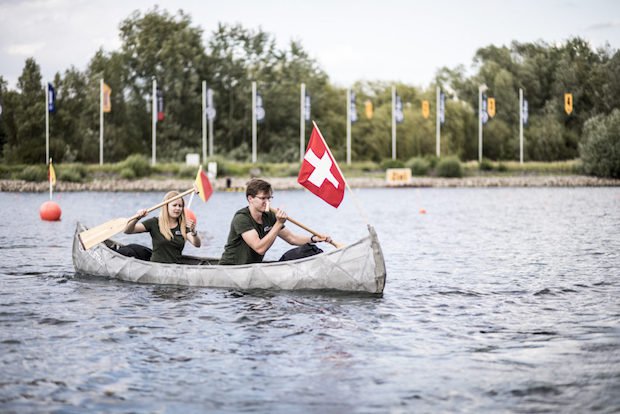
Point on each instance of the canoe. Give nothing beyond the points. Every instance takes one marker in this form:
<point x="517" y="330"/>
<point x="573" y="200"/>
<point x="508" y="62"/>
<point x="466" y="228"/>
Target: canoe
<point x="358" y="267"/>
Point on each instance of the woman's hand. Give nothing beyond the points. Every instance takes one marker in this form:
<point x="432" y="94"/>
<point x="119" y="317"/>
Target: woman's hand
<point x="141" y="213"/>
<point x="191" y="227"/>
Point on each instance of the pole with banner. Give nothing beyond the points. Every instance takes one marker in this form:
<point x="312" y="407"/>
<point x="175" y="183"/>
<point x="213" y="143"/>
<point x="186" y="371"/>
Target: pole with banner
<point x="50" y="106"/>
<point x="481" y="113"/>
<point x="393" y="122"/>
<point x="154" y="124"/>
<point x="204" y="121"/>
<point x="210" y="117"/>
<point x="349" y="126"/>
<point x="253" y="122"/>
<point x="520" y="126"/>
<point x="101" y="122"/>
<point x="438" y="122"/>
<point x="302" y="122"/>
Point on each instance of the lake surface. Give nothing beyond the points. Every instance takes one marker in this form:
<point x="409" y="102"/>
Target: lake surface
<point x="497" y="300"/>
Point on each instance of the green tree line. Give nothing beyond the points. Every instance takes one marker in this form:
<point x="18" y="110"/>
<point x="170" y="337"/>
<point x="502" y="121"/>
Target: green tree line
<point x="169" y="47"/>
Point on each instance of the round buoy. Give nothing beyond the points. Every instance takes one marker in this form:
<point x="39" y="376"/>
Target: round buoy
<point x="422" y="211"/>
<point x="189" y="215"/>
<point x="50" y="211"/>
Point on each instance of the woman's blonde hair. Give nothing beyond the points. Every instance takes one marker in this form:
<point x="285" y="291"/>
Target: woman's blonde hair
<point x="165" y="222"/>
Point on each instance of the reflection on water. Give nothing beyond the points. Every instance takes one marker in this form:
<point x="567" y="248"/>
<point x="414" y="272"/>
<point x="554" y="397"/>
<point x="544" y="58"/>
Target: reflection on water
<point x="496" y="300"/>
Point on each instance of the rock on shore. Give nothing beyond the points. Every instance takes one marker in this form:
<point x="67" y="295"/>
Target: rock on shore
<point x="286" y="183"/>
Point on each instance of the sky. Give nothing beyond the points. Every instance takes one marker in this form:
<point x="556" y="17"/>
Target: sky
<point x="352" y="40"/>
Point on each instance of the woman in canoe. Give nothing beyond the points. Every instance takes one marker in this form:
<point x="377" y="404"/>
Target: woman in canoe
<point x="168" y="232"/>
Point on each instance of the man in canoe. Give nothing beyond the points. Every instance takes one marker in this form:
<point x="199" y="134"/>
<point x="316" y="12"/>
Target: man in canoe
<point x="254" y="228"/>
<point x="169" y="231"/>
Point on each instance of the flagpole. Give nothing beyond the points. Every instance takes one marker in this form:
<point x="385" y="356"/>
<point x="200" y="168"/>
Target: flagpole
<point x="481" y="88"/>
<point x="393" y="122"/>
<point x="348" y="127"/>
<point x="253" y="122"/>
<point x="204" y="121"/>
<point x="154" y="123"/>
<point x="101" y="121"/>
<point x="346" y="183"/>
<point x="47" y="123"/>
<point x="437" y="123"/>
<point x="211" y="136"/>
<point x="521" y="126"/>
<point x="302" y="122"/>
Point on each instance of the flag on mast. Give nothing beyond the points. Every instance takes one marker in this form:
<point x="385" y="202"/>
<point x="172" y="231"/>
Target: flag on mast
<point x="203" y="185"/>
<point x="51" y="174"/>
<point x="51" y="98"/>
<point x="319" y="172"/>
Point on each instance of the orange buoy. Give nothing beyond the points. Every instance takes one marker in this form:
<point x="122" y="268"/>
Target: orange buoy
<point x="189" y="215"/>
<point x="422" y="211"/>
<point x="50" y="211"/>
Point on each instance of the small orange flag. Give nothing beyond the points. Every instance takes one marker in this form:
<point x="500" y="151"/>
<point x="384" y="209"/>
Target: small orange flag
<point x="203" y="185"/>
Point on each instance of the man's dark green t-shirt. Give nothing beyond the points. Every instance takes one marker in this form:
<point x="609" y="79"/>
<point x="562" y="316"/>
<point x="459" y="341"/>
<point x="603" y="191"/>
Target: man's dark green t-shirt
<point x="165" y="251"/>
<point x="237" y="251"/>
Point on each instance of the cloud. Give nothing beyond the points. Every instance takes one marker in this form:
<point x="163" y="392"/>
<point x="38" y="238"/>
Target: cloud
<point x="25" y="49"/>
<point x="604" y="25"/>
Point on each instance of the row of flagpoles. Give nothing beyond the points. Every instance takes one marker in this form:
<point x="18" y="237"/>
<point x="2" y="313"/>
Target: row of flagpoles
<point x="486" y="105"/>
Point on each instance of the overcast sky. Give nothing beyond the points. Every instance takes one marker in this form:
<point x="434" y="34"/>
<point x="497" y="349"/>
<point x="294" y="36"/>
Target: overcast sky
<point x="352" y="40"/>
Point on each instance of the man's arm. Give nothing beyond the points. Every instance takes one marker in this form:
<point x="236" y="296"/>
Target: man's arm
<point x="259" y="245"/>
<point x="293" y="238"/>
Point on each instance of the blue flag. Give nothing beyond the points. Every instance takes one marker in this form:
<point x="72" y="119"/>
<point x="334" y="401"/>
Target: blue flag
<point x="442" y="107"/>
<point x="260" y="111"/>
<point x="210" y="107"/>
<point x="51" y="98"/>
<point x="399" y="116"/>
<point x="525" y="111"/>
<point x="353" y="109"/>
<point x="307" y="107"/>
<point x="483" y="111"/>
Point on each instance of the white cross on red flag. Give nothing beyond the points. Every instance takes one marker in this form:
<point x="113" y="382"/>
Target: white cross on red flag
<point x="319" y="172"/>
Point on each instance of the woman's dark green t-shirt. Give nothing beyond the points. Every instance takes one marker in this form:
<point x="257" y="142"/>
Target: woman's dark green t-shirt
<point x="165" y="251"/>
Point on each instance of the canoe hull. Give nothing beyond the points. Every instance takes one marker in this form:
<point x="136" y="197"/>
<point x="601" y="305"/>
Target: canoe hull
<point x="359" y="267"/>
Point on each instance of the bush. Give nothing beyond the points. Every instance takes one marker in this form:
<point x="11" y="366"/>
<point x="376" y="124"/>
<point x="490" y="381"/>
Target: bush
<point x="486" y="165"/>
<point x="127" y="174"/>
<point x="418" y="166"/>
<point x="449" y="167"/>
<point x="600" y="147"/>
<point x="73" y="173"/>
<point x="390" y="163"/>
<point x="33" y="173"/>
<point x="139" y="164"/>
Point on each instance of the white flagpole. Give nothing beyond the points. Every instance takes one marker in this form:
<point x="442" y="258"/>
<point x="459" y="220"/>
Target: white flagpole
<point x="348" y="126"/>
<point x="210" y="129"/>
<point x="101" y="122"/>
<point x="521" y="126"/>
<point x="302" y="122"/>
<point x="204" y="122"/>
<point x="438" y="123"/>
<point x="47" y="123"/>
<point x="253" y="122"/>
<point x="393" y="122"/>
<point x="154" y="124"/>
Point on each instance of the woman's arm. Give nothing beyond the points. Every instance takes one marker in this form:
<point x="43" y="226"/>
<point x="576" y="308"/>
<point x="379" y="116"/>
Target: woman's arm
<point x="133" y="226"/>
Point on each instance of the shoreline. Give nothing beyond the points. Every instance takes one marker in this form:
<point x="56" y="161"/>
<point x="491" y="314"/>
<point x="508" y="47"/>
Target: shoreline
<point x="290" y="183"/>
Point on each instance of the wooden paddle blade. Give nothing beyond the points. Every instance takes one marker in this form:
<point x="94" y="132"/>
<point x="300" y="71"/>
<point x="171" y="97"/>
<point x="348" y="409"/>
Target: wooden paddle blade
<point x="102" y="232"/>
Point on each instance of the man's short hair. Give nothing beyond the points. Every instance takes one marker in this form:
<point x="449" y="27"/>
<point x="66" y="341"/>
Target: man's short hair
<point x="255" y="186"/>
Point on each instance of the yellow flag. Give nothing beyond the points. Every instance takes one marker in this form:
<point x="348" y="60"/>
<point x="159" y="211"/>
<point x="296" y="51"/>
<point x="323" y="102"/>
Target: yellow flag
<point x="568" y="103"/>
<point x="51" y="174"/>
<point x="491" y="107"/>
<point x="426" y="109"/>
<point x="368" y="109"/>
<point x="107" y="102"/>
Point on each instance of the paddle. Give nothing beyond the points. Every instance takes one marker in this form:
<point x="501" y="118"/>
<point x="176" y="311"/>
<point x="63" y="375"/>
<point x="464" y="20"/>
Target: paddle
<point x="104" y="231"/>
<point x="309" y="230"/>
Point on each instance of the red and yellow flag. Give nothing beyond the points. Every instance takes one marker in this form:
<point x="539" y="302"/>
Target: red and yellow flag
<point x="203" y="185"/>
<point x="51" y="174"/>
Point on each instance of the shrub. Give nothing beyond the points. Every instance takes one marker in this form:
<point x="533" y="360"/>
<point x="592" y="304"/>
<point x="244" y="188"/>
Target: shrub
<point x="33" y="173"/>
<point x="73" y="173"/>
<point x="139" y="164"/>
<point x="600" y="147"/>
<point x="418" y="166"/>
<point x="449" y="167"/>
<point x="390" y="163"/>
<point x="127" y="173"/>
<point x="486" y="165"/>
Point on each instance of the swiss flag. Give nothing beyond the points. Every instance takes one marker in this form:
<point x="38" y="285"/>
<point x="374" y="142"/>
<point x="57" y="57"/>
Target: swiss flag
<point x="319" y="172"/>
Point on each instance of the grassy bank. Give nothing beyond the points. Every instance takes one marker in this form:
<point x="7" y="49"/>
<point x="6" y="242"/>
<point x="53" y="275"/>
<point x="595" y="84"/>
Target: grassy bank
<point x="138" y="167"/>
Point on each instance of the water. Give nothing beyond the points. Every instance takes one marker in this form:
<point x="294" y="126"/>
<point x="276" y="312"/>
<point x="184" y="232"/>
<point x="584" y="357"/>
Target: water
<point x="497" y="300"/>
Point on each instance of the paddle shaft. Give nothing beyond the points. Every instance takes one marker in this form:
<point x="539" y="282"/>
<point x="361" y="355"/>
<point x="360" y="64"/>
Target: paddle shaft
<point x="308" y="229"/>
<point x="163" y="203"/>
